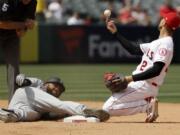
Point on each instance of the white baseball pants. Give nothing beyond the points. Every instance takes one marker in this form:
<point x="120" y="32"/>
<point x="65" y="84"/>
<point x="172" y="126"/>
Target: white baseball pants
<point x="132" y="100"/>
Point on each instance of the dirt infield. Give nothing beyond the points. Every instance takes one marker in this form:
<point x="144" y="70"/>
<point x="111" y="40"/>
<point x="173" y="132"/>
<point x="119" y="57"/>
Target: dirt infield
<point x="167" y="124"/>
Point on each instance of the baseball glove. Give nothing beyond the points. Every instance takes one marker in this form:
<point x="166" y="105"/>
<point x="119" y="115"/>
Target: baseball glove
<point x="115" y="82"/>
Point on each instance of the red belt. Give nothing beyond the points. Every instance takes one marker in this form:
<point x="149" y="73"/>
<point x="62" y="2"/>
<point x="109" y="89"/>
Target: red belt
<point x="154" y="84"/>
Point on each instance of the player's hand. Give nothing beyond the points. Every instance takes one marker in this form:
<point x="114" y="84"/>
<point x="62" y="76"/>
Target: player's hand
<point x="30" y="23"/>
<point x="20" y="79"/>
<point x="21" y="32"/>
<point x="111" y="26"/>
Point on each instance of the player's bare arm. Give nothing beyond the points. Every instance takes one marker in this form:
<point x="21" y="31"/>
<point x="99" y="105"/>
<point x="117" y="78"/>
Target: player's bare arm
<point x="20" y="27"/>
<point x="29" y="26"/>
<point x="25" y="2"/>
<point x="10" y="25"/>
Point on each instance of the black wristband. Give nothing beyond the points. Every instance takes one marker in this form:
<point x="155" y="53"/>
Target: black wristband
<point x="26" y="82"/>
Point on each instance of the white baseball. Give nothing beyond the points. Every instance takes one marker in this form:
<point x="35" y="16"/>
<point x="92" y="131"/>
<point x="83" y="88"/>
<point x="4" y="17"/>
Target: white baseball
<point x="107" y="13"/>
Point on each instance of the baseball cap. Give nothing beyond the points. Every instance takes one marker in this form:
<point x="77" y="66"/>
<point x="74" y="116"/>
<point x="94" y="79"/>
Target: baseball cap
<point x="172" y="20"/>
<point x="165" y="10"/>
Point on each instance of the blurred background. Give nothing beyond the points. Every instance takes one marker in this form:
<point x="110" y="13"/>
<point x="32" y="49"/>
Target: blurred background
<point x="88" y="12"/>
<point x="70" y="40"/>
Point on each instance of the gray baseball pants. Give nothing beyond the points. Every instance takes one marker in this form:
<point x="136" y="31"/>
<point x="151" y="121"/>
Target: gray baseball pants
<point x="31" y="103"/>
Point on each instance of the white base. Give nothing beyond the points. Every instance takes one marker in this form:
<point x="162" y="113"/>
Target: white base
<point x="80" y="119"/>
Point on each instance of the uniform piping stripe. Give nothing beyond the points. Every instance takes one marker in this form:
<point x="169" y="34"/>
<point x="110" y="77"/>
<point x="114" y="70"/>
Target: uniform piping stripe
<point x="129" y="107"/>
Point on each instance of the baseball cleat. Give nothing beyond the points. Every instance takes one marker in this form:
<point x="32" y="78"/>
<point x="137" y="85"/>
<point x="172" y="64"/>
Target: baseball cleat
<point x="100" y="114"/>
<point x="8" y="116"/>
<point x="152" y="113"/>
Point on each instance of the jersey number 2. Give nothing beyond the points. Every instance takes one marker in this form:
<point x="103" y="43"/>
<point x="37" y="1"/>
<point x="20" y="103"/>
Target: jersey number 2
<point x="144" y="64"/>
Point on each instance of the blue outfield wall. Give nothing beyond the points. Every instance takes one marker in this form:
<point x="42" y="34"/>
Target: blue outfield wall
<point x="93" y="44"/>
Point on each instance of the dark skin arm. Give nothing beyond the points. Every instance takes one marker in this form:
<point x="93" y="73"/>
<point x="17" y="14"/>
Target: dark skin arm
<point x="10" y="25"/>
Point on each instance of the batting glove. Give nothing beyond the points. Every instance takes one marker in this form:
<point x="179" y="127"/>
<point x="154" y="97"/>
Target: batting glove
<point x="20" y="79"/>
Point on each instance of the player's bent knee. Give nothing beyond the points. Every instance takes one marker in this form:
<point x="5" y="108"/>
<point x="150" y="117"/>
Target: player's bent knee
<point x="105" y="108"/>
<point x="109" y="106"/>
<point x="109" y="110"/>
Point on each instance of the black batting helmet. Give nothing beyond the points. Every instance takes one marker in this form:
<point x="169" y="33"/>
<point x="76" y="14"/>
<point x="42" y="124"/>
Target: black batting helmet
<point x="56" y="80"/>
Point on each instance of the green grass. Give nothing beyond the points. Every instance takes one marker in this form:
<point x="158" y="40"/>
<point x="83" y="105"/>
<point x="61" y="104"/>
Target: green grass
<point x="85" y="82"/>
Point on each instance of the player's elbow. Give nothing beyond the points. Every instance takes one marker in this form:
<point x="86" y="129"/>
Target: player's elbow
<point x="157" y="72"/>
<point x="157" y="68"/>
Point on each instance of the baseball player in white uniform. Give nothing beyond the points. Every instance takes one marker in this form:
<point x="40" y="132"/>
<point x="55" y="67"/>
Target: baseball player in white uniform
<point x="143" y="84"/>
<point x="36" y="100"/>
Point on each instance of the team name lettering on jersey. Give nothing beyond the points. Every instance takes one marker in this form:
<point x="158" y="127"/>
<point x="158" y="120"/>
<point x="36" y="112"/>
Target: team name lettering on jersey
<point x="150" y="54"/>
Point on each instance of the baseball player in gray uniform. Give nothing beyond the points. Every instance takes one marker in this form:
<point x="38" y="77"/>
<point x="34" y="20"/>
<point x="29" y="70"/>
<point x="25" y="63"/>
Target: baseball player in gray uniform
<point x="36" y="99"/>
